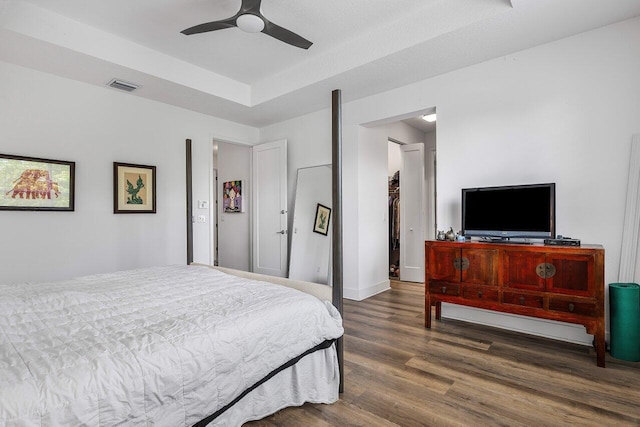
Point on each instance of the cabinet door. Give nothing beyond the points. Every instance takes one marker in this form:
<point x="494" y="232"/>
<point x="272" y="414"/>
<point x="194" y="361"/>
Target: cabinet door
<point x="480" y="266"/>
<point x="574" y="274"/>
<point x="521" y="270"/>
<point x="442" y="263"/>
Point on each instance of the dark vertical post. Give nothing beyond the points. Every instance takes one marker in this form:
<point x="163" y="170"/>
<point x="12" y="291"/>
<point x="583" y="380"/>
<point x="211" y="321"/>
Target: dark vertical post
<point x="336" y="179"/>
<point x="189" y="205"/>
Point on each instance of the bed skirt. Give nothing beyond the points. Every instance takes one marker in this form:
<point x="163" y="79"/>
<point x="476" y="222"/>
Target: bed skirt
<point x="315" y="378"/>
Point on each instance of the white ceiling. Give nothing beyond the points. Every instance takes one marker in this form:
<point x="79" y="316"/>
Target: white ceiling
<point x="362" y="47"/>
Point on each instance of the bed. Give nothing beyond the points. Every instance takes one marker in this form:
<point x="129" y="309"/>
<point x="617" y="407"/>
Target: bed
<point x="166" y="346"/>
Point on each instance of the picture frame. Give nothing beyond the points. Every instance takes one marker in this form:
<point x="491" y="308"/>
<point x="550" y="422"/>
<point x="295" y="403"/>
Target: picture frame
<point x="322" y="221"/>
<point x="134" y="188"/>
<point x="36" y="184"/>
<point x="232" y="200"/>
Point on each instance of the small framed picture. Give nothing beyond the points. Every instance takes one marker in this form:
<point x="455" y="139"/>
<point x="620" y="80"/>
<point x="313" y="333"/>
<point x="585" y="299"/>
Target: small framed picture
<point x="323" y="216"/>
<point x="32" y="184"/>
<point x="232" y="197"/>
<point x="134" y="188"/>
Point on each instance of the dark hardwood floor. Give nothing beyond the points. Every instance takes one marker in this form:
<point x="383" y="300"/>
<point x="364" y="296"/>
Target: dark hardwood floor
<point x="397" y="373"/>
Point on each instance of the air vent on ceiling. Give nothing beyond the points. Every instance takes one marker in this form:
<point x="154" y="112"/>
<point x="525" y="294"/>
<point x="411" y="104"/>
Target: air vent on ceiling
<point x="122" y="85"/>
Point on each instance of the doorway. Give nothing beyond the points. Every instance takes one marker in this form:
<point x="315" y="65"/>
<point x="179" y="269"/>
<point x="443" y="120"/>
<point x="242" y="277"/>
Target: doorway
<point x="411" y="194"/>
<point x="231" y="228"/>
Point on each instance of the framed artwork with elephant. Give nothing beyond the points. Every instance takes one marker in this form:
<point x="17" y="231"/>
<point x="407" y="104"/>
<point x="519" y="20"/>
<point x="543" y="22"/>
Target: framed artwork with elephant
<point x="34" y="184"/>
<point x="134" y="188"/>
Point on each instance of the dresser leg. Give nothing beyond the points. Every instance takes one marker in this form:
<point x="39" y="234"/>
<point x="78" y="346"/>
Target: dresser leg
<point x="600" y="345"/>
<point x="438" y="310"/>
<point x="427" y="311"/>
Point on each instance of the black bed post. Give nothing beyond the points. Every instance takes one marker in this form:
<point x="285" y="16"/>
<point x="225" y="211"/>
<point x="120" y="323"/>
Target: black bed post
<point x="189" y="205"/>
<point x="336" y="173"/>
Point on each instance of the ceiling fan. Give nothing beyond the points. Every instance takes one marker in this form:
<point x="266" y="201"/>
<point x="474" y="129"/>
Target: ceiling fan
<point x="250" y="19"/>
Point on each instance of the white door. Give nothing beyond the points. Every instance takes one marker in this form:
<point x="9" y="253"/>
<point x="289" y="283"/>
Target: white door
<point x="412" y="212"/>
<point x="269" y="179"/>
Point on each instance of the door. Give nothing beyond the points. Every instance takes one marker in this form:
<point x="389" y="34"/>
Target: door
<point x="479" y="266"/>
<point x="412" y="212"/>
<point x="442" y="262"/>
<point x="522" y="270"/>
<point x="571" y="274"/>
<point x="269" y="182"/>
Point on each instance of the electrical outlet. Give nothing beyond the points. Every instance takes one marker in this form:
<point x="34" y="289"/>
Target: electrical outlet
<point x="202" y="218"/>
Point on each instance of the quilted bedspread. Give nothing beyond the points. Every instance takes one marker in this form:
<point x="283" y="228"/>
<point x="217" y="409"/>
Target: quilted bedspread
<point x="155" y="346"/>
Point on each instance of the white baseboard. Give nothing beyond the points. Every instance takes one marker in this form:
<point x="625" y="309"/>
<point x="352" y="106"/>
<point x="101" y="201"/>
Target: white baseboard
<point x="357" y="294"/>
<point x="513" y="322"/>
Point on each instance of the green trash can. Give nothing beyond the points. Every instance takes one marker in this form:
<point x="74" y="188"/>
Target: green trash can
<point x="624" y="310"/>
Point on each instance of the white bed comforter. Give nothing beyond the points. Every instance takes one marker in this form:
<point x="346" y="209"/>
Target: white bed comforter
<point x="157" y="346"/>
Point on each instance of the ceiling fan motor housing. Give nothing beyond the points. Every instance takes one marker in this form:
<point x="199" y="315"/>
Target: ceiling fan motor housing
<point x="250" y="23"/>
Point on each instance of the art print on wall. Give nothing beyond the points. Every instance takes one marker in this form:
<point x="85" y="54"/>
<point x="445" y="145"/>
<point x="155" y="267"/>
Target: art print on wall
<point x="33" y="184"/>
<point x="134" y="188"/>
<point x="323" y="216"/>
<point x="232" y="197"/>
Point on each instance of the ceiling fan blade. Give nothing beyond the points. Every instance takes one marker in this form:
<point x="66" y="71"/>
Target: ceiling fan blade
<point x="252" y="6"/>
<point x="211" y="26"/>
<point x="285" y="35"/>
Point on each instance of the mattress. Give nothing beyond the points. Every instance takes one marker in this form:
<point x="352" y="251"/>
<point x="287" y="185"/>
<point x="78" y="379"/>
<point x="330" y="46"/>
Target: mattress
<point x="163" y="346"/>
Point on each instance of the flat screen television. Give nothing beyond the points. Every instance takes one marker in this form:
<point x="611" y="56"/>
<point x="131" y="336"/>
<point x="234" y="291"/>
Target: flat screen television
<point x="516" y="211"/>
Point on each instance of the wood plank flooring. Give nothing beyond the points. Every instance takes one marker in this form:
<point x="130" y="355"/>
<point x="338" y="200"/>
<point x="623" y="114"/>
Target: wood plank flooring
<point x="397" y="373"/>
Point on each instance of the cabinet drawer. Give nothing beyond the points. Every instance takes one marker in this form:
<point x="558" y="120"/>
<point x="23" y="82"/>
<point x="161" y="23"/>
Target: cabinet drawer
<point x="575" y="307"/>
<point x="444" y="288"/>
<point x="526" y="300"/>
<point x="480" y="293"/>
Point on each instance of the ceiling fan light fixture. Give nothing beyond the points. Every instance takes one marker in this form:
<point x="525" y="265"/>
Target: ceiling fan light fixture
<point x="250" y="23"/>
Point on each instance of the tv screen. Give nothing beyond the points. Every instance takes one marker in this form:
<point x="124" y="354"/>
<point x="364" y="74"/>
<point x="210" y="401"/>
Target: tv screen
<point x="526" y="211"/>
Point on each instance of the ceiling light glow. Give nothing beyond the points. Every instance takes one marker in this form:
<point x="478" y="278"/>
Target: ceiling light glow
<point x="429" y="118"/>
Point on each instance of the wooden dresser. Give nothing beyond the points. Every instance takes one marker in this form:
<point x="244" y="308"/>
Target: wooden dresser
<point x="551" y="282"/>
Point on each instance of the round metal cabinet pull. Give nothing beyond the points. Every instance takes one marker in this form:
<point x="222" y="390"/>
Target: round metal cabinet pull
<point x="480" y="294"/>
<point x="444" y="289"/>
<point x="550" y="270"/>
<point x="522" y="300"/>
<point x="541" y="270"/>
<point x="571" y="307"/>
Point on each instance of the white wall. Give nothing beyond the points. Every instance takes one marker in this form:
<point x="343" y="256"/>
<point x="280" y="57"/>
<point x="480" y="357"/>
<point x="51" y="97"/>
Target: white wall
<point x="47" y="116"/>
<point x="562" y="112"/>
<point x="393" y="157"/>
<point x="234" y="229"/>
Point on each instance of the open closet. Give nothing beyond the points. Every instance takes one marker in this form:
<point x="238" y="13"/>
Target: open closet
<point x="411" y="195"/>
<point x="394" y="209"/>
<point x="394" y="225"/>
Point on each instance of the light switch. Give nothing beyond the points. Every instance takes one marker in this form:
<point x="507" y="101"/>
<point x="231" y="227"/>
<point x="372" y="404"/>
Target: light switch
<point x="203" y="204"/>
